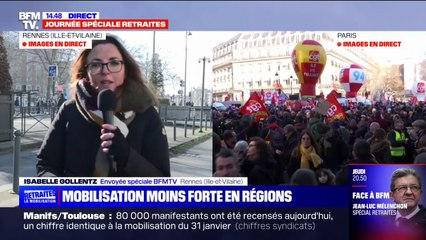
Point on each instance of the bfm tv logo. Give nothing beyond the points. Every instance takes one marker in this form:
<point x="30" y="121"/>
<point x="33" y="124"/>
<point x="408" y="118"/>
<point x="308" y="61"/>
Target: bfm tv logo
<point x="314" y="56"/>
<point x="39" y="196"/>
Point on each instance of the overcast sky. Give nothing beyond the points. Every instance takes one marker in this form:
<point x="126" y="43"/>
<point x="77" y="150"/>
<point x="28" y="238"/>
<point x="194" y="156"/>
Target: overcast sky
<point x="171" y="47"/>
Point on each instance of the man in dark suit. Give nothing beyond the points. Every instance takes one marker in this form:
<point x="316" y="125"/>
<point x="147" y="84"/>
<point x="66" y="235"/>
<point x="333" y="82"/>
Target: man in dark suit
<point x="406" y="188"/>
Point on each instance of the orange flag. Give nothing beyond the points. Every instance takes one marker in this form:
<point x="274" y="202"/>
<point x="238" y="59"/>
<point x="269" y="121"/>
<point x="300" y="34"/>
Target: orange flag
<point x="255" y="106"/>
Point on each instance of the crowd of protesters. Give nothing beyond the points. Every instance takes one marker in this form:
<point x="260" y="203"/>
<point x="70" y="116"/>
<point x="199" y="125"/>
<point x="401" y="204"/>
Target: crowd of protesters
<point x="304" y="147"/>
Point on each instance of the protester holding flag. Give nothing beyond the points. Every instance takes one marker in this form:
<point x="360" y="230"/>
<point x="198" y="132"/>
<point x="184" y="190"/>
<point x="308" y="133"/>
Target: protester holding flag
<point x="255" y="106"/>
<point x="335" y="111"/>
<point x="298" y="117"/>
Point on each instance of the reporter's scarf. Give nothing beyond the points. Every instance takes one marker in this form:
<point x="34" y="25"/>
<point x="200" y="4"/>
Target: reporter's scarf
<point x="131" y="99"/>
<point x="86" y="100"/>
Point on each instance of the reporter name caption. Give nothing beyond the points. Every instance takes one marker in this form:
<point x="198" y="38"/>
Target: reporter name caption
<point x="32" y="38"/>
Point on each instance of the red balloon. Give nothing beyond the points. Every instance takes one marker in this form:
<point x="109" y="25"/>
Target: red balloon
<point x="309" y="59"/>
<point x="352" y="78"/>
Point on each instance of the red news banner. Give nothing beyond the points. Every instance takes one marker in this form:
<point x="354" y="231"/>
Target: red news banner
<point x="115" y="24"/>
<point x="32" y="21"/>
<point x="85" y="20"/>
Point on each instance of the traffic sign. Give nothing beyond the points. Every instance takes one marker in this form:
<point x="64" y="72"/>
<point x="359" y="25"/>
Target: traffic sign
<point x="53" y="70"/>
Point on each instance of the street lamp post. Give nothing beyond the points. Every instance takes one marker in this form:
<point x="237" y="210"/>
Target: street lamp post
<point x="291" y="85"/>
<point x="204" y="59"/>
<point x="187" y="33"/>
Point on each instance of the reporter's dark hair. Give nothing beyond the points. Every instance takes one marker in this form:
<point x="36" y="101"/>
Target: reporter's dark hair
<point x="133" y="74"/>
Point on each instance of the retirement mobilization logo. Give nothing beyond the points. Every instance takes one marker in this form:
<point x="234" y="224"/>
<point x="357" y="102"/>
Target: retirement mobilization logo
<point x="39" y="196"/>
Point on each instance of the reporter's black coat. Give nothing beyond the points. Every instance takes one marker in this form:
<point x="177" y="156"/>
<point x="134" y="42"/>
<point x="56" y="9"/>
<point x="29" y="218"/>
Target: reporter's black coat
<point x="72" y="142"/>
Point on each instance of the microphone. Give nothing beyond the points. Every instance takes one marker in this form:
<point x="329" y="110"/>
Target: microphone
<point x="106" y="103"/>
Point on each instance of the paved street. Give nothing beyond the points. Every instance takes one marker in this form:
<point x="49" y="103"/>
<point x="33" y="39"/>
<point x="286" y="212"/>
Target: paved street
<point x="27" y="166"/>
<point x="195" y="162"/>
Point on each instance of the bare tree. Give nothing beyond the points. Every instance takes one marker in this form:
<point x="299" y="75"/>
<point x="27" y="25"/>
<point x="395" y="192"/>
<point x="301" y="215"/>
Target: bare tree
<point x="385" y="80"/>
<point x="159" y="74"/>
<point x="5" y="78"/>
<point x="60" y="57"/>
<point x="29" y="61"/>
<point x="423" y="70"/>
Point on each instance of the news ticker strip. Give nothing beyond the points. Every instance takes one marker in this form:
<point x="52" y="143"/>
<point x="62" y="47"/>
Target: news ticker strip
<point x="203" y="223"/>
<point x="133" y="181"/>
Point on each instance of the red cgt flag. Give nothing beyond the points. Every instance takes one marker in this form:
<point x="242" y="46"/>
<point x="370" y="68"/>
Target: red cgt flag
<point x="335" y="111"/>
<point x="255" y="106"/>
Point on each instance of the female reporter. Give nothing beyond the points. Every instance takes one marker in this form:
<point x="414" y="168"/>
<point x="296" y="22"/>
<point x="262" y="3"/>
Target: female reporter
<point x="79" y="144"/>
